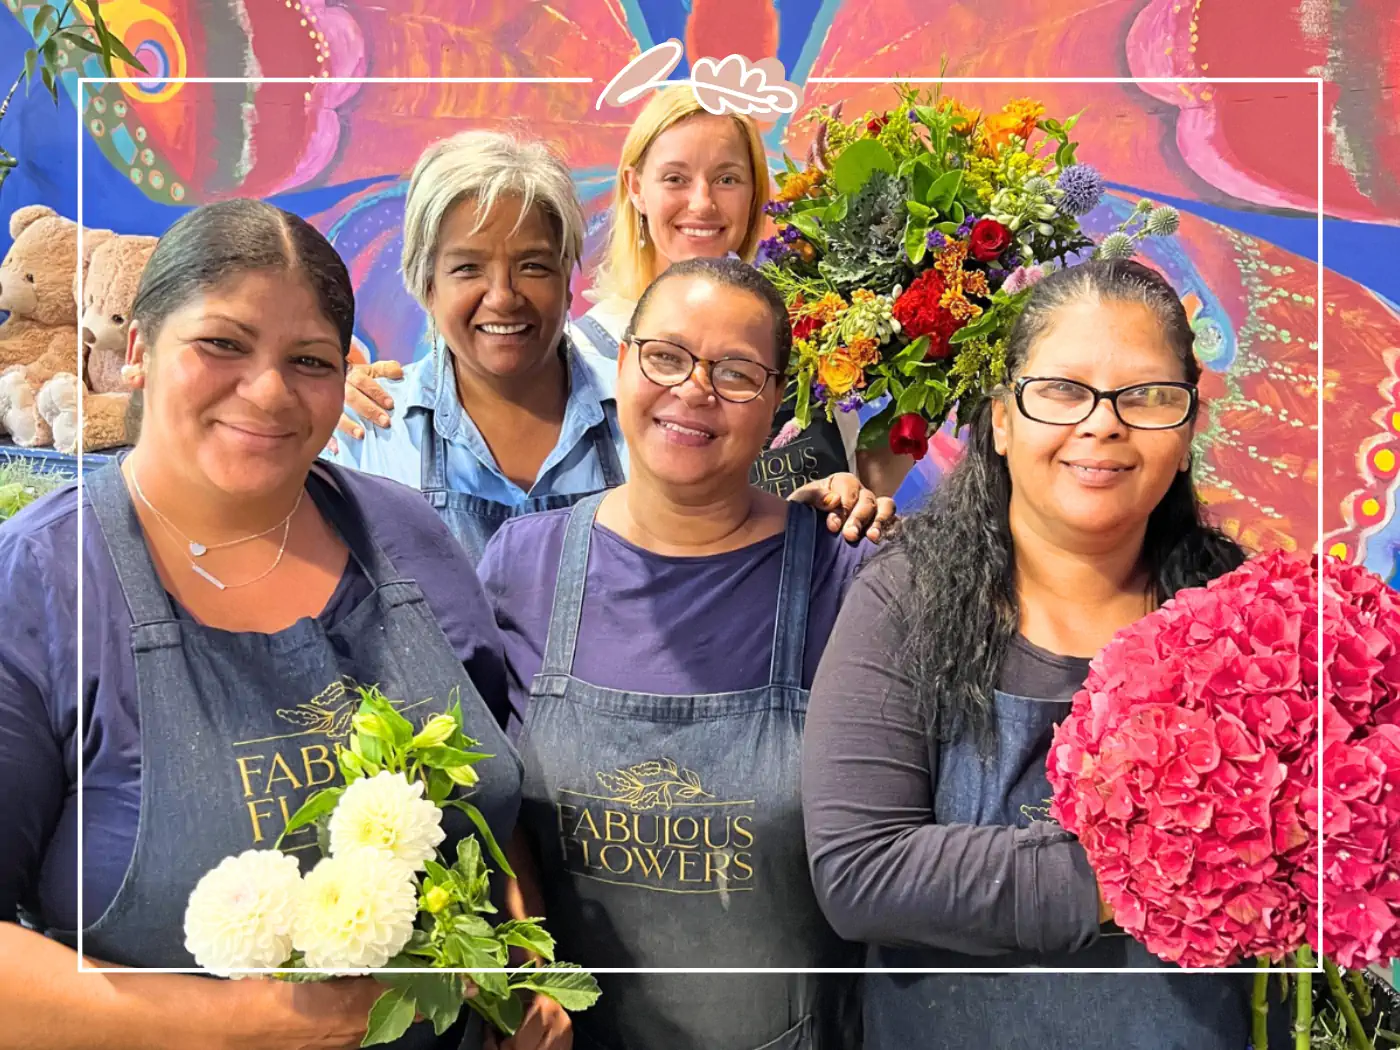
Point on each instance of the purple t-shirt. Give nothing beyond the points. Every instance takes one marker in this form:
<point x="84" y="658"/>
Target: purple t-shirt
<point x="675" y="626"/>
<point x="38" y="684"/>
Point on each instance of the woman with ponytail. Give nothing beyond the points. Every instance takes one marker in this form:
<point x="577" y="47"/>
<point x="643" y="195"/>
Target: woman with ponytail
<point x="1071" y="515"/>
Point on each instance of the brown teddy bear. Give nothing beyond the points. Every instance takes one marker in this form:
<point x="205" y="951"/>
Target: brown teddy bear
<point x="40" y="337"/>
<point x="113" y="272"/>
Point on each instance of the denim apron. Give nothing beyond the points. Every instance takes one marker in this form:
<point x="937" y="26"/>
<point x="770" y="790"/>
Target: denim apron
<point x="238" y="728"/>
<point x="669" y="833"/>
<point x="1165" y="1010"/>
<point x="474" y="520"/>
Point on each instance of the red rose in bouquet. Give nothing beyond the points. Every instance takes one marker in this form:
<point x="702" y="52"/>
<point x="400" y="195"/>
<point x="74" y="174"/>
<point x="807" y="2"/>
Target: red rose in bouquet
<point x="909" y="436"/>
<point x="1360" y="767"/>
<point x="988" y="240"/>
<point x="920" y="311"/>
<point x="1189" y="760"/>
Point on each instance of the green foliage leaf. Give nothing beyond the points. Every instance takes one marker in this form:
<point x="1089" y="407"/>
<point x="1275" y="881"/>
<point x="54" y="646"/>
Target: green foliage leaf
<point x="390" y="1017"/>
<point x="836" y="211"/>
<point x="803" y="411"/>
<point x="792" y="168"/>
<point x="79" y="40"/>
<point x="504" y="1013"/>
<point x="948" y="229"/>
<point x="529" y="935"/>
<point x="318" y="805"/>
<point x="956" y="213"/>
<point x="439" y="786"/>
<point x="440" y="875"/>
<point x="912" y="400"/>
<point x="31" y="63"/>
<point x="50" y="84"/>
<point x="48" y="13"/>
<point x="808" y="225"/>
<point x="877" y="389"/>
<point x="446" y="757"/>
<point x="919" y="211"/>
<point x="876" y="431"/>
<point x="572" y="988"/>
<point x="438" y="997"/>
<point x="935" y="401"/>
<point x="915" y="240"/>
<point x="116" y="47"/>
<point x="915" y="351"/>
<point x="981" y="326"/>
<point x="945" y="190"/>
<point x="486" y="836"/>
<point x="399" y="727"/>
<point x="928" y="117"/>
<point x="858" y="162"/>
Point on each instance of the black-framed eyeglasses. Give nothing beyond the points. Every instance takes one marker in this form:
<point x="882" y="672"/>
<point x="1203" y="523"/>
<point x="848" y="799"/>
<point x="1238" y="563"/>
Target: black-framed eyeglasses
<point x="735" y="379"/>
<point x="1143" y="406"/>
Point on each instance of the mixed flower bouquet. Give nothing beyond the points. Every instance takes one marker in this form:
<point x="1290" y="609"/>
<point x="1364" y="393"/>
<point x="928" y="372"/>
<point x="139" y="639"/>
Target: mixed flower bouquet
<point x="383" y="897"/>
<point x="1188" y="770"/>
<point x="908" y="245"/>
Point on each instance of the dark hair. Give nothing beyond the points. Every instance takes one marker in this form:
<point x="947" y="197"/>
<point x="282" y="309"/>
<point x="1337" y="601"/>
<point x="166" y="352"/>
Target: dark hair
<point x="962" y="612"/>
<point x="731" y="273"/>
<point x="215" y="242"/>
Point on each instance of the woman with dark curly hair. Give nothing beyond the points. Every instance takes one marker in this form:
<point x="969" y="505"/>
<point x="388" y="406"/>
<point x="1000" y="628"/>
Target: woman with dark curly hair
<point x="959" y="648"/>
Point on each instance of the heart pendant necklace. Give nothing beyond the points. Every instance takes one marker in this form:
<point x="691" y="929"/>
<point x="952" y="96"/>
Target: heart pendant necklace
<point x="198" y="550"/>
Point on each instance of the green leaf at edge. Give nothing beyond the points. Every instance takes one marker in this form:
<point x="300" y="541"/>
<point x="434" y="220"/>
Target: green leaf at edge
<point x="912" y="401"/>
<point x="571" y="987"/>
<point x="809" y="227"/>
<point x="51" y="85"/>
<point x="945" y="190"/>
<point x="858" y="161"/>
<point x="503" y="1013"/>
<point x="437" y="996"/>
<point x="390" y="1017"/>
<point x="83" y="42"/>
<point x="876" y="430"/>
<point x="486" y="836"/>
<point x="31" y="63"/>
<point x="915" y="240"/>
<point x="529" y="935"/>
<point x="317" y="805"/>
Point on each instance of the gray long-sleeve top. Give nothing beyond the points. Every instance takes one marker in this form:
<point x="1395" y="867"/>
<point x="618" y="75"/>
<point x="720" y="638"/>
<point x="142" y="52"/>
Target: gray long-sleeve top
<point x="884" y="871"/>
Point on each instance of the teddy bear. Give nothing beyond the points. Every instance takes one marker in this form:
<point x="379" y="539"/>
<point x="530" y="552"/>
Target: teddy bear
<point x="40" y="337"/>
<point x="112" y="274"/>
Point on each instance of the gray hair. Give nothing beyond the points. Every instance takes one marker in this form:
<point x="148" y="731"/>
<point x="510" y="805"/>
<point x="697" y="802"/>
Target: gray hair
<point x="482" y="166"/>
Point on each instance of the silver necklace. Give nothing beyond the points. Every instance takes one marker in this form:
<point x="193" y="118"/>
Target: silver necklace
<point x="198" y="550"/>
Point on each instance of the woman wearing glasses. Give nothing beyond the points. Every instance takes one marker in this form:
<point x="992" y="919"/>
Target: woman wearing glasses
<point x="1071" y="516"/>
<point x="665" y="635"/>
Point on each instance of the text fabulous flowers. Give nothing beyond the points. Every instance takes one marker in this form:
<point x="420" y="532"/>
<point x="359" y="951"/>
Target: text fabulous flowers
<point x="907" y="246"/>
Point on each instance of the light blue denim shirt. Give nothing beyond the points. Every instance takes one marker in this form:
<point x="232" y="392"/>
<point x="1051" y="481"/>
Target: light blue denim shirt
<point x="428" y="390"/>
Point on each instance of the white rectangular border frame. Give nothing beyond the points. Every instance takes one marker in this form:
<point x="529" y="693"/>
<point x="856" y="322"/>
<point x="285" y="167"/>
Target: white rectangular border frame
<point x="1317" y="82"/>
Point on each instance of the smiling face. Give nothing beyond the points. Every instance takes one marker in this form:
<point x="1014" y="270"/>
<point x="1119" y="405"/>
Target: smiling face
<point x="1098" y="478"/>
<point x="500" y="295"/>
<point x="684" y="435"/>
<point x="245" y="381"/>
<point x="696" y="188"/>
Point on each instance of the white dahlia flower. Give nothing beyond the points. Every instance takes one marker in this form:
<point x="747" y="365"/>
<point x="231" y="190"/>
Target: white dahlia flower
<point x="240" y="914"/>
<point x="387" y="813"/>
<point x="356" y="910"/>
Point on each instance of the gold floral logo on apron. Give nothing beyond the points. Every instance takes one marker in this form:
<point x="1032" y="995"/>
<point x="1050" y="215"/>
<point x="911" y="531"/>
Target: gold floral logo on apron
<point x="654" y="826"/>
<point x="278" y="773"/>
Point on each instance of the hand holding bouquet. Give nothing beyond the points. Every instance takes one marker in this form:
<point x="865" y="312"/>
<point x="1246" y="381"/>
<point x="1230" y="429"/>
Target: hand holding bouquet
<point x="383" y="897"/>
<point x="909" y="244"/>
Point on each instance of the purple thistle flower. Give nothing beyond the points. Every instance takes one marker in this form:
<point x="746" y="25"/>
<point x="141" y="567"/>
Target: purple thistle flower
<point x="850" y="402"/>
<point x="789" y="234"/>
<point x="1082" y="187"/>
<point x="777" y="208"/>
<point x="936" y="240"/>
<point x="966" y="227"/>
<point x="820" y="393"/>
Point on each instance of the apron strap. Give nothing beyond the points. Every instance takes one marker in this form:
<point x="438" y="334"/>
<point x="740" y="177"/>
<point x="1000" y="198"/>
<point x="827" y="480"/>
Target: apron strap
<point x="126" y="541"/>
<point x="605" y="436"/>
<point x="794" y="594"/>
<point x="350" y="518"/>
<point x="432" y="457"/>
<point x="567" y="609"/>
<point x="603" y="343"/>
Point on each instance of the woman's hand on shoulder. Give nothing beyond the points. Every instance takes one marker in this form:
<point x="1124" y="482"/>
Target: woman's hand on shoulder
<point x="366" y="398"/>
<point x="547" y="1026"/>
<point x="852" y="508"/>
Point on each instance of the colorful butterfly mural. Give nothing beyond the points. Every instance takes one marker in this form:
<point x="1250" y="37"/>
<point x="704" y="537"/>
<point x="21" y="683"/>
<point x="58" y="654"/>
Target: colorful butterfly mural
<point x="1240" y="160"/>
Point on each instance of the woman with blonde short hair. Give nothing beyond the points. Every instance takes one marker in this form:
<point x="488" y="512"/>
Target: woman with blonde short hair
<point x="505" y="417"/>
<point x="689" y="185"/>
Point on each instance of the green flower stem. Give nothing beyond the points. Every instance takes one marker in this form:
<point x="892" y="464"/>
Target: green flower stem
<point x="1302" y="1003"/>
<point x="1260" y="1037"/>
<point x="1359" y="1039"/>
<point x="1361" y="993"/>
